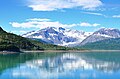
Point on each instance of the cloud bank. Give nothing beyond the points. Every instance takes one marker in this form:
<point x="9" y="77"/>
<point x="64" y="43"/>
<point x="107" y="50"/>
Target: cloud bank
<point x="116" y="16"/>
<point x="44" y="23"/>
<point x="93" y="13"/>
<point x="51" y="5"/>
<point x="85" y="24"/>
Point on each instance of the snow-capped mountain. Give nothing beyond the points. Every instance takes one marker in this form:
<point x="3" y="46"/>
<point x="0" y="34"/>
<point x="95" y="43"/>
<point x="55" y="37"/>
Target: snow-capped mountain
<point x="67" y="37"/>
<point x="58" y="36"/>
<point x="104" y="33"/>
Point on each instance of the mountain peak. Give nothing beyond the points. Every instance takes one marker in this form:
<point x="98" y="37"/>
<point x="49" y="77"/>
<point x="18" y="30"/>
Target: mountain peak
<point x="61" y="28"/>
<point x="102" y="34"/>
<point x="109" y="29"/>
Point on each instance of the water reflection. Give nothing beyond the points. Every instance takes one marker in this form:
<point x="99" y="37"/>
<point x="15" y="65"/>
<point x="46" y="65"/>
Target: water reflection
<point x="66" y="65"/>
<point x="71" y="61"/>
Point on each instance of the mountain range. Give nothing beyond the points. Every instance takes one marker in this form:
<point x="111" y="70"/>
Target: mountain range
<point x="58" y="36"/>
<point x="52" y="38"/>
<point x="71" y="38"/>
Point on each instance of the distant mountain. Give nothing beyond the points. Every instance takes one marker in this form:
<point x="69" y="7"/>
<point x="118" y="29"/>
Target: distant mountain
<point x="58" y="36"/>
<point x="107" y="44"/>
<point x="102" y="34"/>
<point x="67" y="37"/>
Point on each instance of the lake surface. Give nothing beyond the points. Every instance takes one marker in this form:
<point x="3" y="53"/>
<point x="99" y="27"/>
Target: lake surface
<point x="100" y="65"/>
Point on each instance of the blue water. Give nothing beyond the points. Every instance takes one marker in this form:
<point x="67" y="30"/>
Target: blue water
<point x="100" y="65"/>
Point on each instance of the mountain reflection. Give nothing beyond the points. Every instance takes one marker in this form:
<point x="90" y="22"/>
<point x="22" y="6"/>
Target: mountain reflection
<point x="67" y="62"/>
<point x="64" y="66"/>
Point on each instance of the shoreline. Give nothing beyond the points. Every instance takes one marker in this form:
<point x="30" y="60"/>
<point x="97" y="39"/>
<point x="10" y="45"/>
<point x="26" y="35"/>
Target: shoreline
<point x="58" y="51"/>
<point x="8" y="52"/>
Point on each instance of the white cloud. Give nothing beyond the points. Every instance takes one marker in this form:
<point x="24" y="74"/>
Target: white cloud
<point x="40" y="23"/>
<point x="38" y="19"/>
<point x="116" y="16"/>
<point x="50" y="5"/>
<point x="43" y="23"/>
<point x="93" y="13"/>
<point x="85" y="24"/>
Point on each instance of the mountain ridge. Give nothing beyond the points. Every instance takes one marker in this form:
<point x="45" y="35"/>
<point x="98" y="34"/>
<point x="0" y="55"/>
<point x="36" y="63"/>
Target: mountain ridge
<point x="102" y="34"/>
<point x="99" y="35"/>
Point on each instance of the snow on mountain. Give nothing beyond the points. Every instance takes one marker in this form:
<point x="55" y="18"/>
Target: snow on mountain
<point x="108" y="32"/>
<point x="104" y="33"/>
<point x="67" y="37"/>
<point x="58" y="36"/>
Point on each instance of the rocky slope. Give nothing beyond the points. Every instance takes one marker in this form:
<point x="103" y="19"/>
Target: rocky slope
<point x="102" y="34"/>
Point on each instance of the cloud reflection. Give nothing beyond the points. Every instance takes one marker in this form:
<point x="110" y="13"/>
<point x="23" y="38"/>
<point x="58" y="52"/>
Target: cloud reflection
<point x="66" y="64"/>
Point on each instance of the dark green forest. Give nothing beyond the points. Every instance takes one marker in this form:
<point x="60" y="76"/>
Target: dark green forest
<point x="12" y="42"/>
<point x="108" y="44"/>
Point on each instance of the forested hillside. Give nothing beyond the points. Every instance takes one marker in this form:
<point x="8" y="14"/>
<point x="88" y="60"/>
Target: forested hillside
<point x="108" y="44"/>
<point x="12" y="42"/>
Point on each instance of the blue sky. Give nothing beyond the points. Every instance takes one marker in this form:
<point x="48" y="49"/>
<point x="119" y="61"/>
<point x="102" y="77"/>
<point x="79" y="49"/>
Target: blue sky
<point x="20" y="16"/>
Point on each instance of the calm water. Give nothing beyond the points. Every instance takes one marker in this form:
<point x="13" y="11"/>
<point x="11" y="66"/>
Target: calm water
<point x="61" y="66"/>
